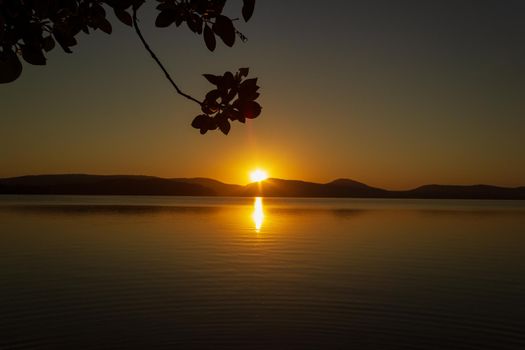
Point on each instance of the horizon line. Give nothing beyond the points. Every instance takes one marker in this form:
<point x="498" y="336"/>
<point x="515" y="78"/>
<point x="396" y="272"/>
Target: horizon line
<point x="270" y="178"/>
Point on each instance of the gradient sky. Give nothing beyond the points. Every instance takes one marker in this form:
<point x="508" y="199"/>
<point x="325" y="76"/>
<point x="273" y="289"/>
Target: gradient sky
<point x="395" y="94"/>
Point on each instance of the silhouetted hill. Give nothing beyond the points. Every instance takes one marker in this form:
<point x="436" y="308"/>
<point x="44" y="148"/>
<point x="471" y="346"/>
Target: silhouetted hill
<point x="218" y="188"/>
<point x="81" y="184"/>
<point x="101" y="185"/>
<point x="295" y="188"/>
<point x="466" y="192"/>
<point x="351" y="188"/>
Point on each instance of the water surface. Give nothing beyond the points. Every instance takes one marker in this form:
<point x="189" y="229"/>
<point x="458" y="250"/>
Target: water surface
<point x="209" y="273"/>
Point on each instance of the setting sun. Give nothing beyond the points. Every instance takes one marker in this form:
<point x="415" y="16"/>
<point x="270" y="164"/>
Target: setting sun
<point x="258" y="175"/>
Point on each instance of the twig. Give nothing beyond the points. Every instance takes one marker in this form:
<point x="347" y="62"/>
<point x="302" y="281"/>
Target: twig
<point x="146" y="46"/>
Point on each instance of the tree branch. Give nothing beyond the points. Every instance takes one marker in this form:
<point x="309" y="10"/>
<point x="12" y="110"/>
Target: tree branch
<point x="146" y="46"/>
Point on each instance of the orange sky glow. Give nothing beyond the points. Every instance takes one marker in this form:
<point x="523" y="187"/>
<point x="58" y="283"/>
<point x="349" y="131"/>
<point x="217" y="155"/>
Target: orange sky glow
<point x="388" y="97"/>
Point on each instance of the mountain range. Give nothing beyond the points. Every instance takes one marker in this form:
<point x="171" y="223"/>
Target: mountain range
<point x="81" y="184"/>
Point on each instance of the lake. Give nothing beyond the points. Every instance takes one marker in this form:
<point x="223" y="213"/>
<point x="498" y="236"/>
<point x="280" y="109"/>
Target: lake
<point x="272" y="273"/>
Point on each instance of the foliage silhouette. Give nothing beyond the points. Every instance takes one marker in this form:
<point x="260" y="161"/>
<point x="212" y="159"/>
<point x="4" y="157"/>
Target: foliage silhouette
<point x="30" y="28"/>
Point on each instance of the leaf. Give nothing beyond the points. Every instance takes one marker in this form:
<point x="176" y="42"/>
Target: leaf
<point x="2" y="29"/>
<point x="228" y="80"/>
<point x="64" y="39"/>
<point x="247" y="9"/>
<point x="10" y="67"/>
<point x="204" y="123"/>
<point x="48" y="43"/>
<point x="228" y="95"/>
<point x="249" y="84"/>
<point x="248" y="89"/>
<point x="224" y="126"/>
<point x="33" y="55"/>
<point x="179" y="18"/>
<point x="98" y="11"/>
<point x="123" y="16"/>
<point x="250" y="109"/>
<point x="199" y="121"/>
<point x="235" y="115"/>
<point x="214" y="79"/>
<point x="166" y="6"/>
<point x="224" y="28"/>
<point x="213" y="95"/>
<point x="137" y="4"/>
<point x="195" y="24"/>
<point x="105" y="26"/>
<point x="244" y="72"/>
<point x="210" y="107"/>
<point x="209" y="38"/>
<point x="165" y="18"/>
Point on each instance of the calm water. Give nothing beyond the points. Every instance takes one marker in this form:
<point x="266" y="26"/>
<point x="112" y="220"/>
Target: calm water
<point x="211" y="273"/>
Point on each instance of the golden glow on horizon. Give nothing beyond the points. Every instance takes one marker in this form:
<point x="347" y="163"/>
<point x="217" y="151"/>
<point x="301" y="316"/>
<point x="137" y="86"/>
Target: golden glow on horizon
<point x="258" y="213"/>
<point x="258" y="175"/>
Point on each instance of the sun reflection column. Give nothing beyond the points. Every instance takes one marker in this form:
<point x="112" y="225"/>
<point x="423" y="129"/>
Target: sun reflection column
<point x="258" y="213"/>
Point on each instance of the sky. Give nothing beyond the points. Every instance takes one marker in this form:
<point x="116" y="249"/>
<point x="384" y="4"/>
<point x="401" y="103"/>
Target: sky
<point x="395" y="94"/>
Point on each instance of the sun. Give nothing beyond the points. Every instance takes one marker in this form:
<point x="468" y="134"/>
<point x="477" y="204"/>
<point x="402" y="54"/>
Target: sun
<point x="258" y="175"/>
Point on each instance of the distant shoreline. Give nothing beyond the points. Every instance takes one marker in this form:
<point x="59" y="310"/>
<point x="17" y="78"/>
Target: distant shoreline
<point x="132" y="185"/>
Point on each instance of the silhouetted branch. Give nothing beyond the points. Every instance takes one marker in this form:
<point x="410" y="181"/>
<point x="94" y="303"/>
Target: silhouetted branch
<point x="146" y="46"/>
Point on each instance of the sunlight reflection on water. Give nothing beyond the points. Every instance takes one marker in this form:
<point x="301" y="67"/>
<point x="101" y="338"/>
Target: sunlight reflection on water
<point x="258" y="213"/>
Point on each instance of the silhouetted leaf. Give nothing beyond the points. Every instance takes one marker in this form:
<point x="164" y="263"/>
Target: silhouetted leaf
<point x="64" y="39"/>
<point x="209" y="38"/>
<point x="42" y="9"/>
<point x="204" y="123"/>
<point x="2" y="23"/>
<point x="224" y="125"/>
<point x="165" y="18"/>
<point x="194" y="22"/>
<point x="10" y="67"/>
<point x="228" y="81"/>
<point x="244" y="72"/>
<point x="179" y="18"/>
<point x="250" y="109"/>
<point x="248" y="89"/>
<point x="247" y="9"/>
<point x="214" y="79"/>
<point x="105" y="26"/>
<point x="228" y="95"/>
<point x="199" y="121"/>
<point x="210" y="107"/>
<point x="33" y="55"/>
<point x="31" y="33"/>
<point x="201" y="6"/>
<point x="48" y="43"/>
<point x="213" y="95"/>
<point x="249" y="84"/>
<point x="224" y="28"/>
<point x="235" y="115"/>
<point x="123" y="16"/>
<point x="137" y="4"/>
<point x="98" y="11"/>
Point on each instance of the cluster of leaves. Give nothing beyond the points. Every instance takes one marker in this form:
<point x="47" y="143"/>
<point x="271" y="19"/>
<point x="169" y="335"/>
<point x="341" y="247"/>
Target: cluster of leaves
<point x="32" y="27"/>
<point x="29" y="28"/>
<point x="232" y="99"/>
<point x="203" y="17"/>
